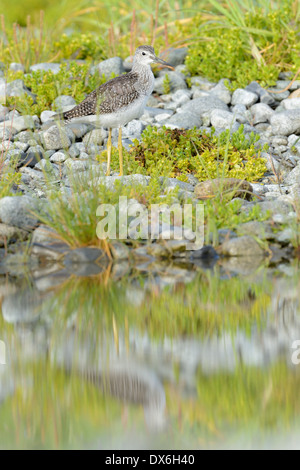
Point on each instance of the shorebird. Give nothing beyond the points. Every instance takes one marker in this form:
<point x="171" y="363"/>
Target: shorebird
<point x="121" y="99"/>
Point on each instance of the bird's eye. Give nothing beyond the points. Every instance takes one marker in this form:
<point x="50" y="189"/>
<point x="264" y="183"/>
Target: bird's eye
<point x="143" y="53"/>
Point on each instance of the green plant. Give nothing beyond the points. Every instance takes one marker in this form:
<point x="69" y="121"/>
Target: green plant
<point x="179" y="152"/>
<point x="9" y="177"/>
<point x="73" y="79"/>
<point x="244" y="43"/>
<point x="166" y="84"/>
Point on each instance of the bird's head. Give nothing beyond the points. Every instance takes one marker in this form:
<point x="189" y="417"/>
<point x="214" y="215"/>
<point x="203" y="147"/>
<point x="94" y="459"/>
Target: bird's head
<point x="145" y="55"/>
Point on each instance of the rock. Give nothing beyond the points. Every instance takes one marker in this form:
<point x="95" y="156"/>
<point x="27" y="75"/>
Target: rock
<point x="177" y="82"/>
<point x="112" y="66"/>
<point x="222" y="118"/>
<point x="273" y="207"/>
<point x="95" y="136"/>
<point x="130" y="180"/>
<point x="55" y="138"/>
<point x="184" y="120"/>
<point x="264" y="96"/>
<point x="78" y="129"/>
<point x="291" y="103"/>
<point x="241" y="246"/>
<point x="5" y="134"/>
<point x="76" y="165"/>
<point x="27" y="137"/>
<point x="278" y="96"/>
<point x="175" y="183"/>
<point x="63" y="100"/>
<point x="284" y="237"/>
<point x="16" y="67"/>
<point x="158" y="251"/>
<point x="16" y="211"/>
<point x="180" y="97"/>
<point x="9" y="234"/>
<point x="119" y="250"/>
<point x="47" y="115"/>
<point x="58" y="157"/>
<point x="204" y="105"/>
<point x="46" y="244"/>
<point x="14" y="88"/>
<point x="221" y="91"/>
<point x="85" y="255"/>
<point x="286" y="122"/>
<point x="261" y="230"/>
<point x="34" y="155"/>
<point x="134" y="127"/>
<point x="19" y="123"/>
<point x="46" y="67"/>
<point x="232" y="186"/>
<point x="244" y="97"/>
<point x="261" y="112"/>
<point x="174" y="56"/>
<point x="202" y="83"/>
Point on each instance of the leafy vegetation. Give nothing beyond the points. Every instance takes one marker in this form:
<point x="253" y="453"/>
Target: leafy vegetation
<point x="176" y="153"/>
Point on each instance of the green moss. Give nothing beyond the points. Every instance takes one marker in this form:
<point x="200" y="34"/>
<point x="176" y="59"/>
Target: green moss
<point x="175" y="153"/>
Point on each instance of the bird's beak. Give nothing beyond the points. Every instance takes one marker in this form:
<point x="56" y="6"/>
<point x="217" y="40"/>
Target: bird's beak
<point x="160" y="61"/>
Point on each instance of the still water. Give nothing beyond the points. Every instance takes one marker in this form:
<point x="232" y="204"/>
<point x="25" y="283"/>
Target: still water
<point x="167" y="356"/>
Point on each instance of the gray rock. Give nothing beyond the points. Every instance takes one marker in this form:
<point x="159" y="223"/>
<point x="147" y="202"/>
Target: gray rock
<point x="202" y="83"/>
<point x="180" y="97"/>
<point x="119" y="250"/>
<point x="16" y="67"/>
<point x="27" y="137"/>
<point x="244" y="97"/>
<point x="261" y="230"/>
<point x="19" y="123"/>
<point x="184" y="120"/>
<point x="264" y="96"/>
<point x="134" y="127"/>
<point x="112" y="66"/>
<point x="9" y="233"/>
<point x="14" y="88"/>
<point x="59" y="157"/>
<point x="222" y="118"/>
<point x="261" y="112"/>
<point x="175" y="183"/>
<point x="177" y="82"/>
<point x="204" y="105"/>
<point x="277" y="95"/>
<point x="78" y="129"/>
<point x="242" y="246"/>
<point x="174" y="56"/>
<point x="56" y="138"/>
<point x="286" y="122"/>
<point x="273" y="207"/>
<point x="291" y="103"/>
<point x="47" y="115"/>
<point x="221" y="91"/>
<point x="130" y="180"/>
<point x="21" y="307"/>
<point x="63" y="100"/>
<point x="85" y="255"/>
<point x="45" y="67"/>
<point x="76" y="165"/>
<point x="16" y="211"/>
<point x="284" y="237"/>
<point x="95" y="136"/>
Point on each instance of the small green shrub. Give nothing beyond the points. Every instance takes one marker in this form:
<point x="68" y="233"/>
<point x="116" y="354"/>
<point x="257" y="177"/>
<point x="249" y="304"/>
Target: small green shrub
<point x="73" y="79"/>
<point x="256" y="47"/>
<point x="81" y="46"/>
<point x="175" y="153"/>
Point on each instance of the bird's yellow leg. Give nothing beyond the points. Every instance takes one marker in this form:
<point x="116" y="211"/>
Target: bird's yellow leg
<point x="120" y="151"/>
<point x="108" y="153"/>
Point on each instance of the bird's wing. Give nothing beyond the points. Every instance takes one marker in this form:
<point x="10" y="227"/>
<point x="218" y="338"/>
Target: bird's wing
<point x="108" y="98"/>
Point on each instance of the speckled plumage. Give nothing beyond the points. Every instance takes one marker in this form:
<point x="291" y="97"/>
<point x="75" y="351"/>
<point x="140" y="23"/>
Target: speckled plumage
<point x="117" y="95"/>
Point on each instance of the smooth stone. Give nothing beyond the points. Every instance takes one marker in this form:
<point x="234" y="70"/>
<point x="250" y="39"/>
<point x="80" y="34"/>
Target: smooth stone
<point x="291" y="103"/>
<point x="95" y="136"/>
<point x="112" y="66"/>
<point x="202" y="83"/>
<point x="21" y="307"/>
<point x="204" y="105"/>
<point x="175" y="183"/>
<point x="63" y="100"/>
<point x="45" y="67"/>
<point x="85" y="255"/>
<point x="261" y="112"/>
<point x="9" y="233"/>
<point x="174" y="56"/>
<point x="221" y="91"/>
<point x="244" y="97"/>
<point x="76" y="165"/>
<point x="16" y="211"/>
<point x="136" y="179"/>
<point x="222" y="118"/>
<point x="20" y="123"/>
<point x="47" y="115"/>
<point x="58" y="157"/>
<point x="261" y="230"/>
<point x="233" y="186"/>
<point x="16" y="67"/>
<point x="183" y="120"/>
<point x="56" y="138"/>
<point x="286" y="122"/>
<point x="119" y="250"/>
<point x="177" y="82"/>
<point x="78" y="129"/>
<point x="241" y="246"/>
<point x="264" y="96"/>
